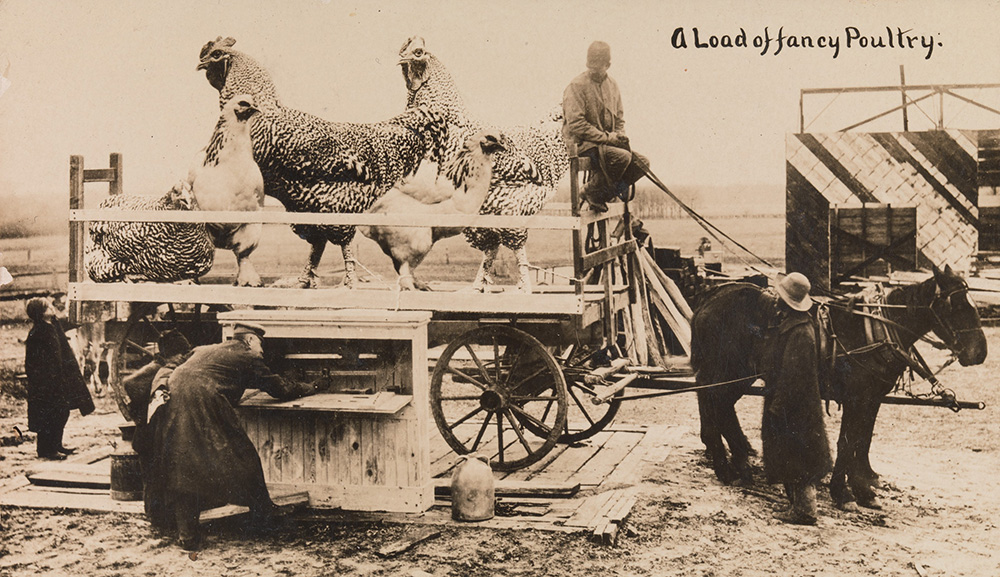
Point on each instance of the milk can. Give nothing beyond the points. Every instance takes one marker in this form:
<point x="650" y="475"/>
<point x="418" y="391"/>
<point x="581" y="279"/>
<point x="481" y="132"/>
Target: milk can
<point x="472" y="493"/>
<point x="126" y="476"/>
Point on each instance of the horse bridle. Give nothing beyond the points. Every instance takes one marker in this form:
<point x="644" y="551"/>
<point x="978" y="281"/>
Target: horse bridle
<point x="944" y="323"/>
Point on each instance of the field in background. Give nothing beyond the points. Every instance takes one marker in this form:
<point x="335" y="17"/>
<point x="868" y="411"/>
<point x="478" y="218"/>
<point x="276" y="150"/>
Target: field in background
<point x="40" y="262"/>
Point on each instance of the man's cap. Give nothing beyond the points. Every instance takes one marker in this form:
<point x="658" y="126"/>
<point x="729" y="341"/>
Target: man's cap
<point x="794" y="290"/>
<point x="36" y="307"/>
<point x="172" y="343"/>
<point x="598" y="54"/>
<point x="248" y="328"/>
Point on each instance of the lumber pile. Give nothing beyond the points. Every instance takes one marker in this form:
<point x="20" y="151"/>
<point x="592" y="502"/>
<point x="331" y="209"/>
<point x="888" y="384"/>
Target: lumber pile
<point x="661" y="319"/>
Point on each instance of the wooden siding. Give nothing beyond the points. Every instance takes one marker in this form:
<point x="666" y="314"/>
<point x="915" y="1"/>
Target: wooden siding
<point x="942" y="174"/>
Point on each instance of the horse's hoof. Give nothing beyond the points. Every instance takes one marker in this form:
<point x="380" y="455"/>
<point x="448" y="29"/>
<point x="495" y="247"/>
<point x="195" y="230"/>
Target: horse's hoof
<point x="848" y="507"/>
<point x="871" y="503"/>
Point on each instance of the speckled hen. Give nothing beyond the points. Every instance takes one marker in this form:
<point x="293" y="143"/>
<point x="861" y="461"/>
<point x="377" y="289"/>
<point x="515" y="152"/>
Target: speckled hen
<point x="313" y="165"/>
<point x="149" y="251"/>
<point x="524" y="175"/>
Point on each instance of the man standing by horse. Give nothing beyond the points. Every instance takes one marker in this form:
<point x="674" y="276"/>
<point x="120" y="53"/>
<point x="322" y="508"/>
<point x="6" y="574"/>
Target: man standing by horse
<point x="796" y="450"/>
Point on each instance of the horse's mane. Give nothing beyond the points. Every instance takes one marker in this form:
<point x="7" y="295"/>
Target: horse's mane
<point x="915" y="295"/>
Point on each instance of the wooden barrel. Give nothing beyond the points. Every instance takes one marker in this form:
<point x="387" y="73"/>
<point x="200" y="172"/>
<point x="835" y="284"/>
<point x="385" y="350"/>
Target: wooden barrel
<point x="126" y="476"/>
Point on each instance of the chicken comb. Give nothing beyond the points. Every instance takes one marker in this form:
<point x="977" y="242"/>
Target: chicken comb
<point x="219" y="42"/>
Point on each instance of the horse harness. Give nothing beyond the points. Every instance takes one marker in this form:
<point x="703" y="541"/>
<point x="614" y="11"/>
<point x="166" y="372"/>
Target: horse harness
<point x="882" y="339"/>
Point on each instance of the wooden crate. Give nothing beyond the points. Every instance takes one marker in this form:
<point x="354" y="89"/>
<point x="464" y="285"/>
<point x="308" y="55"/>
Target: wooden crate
<point x="356" y="451"/>
<point x="865" y="240"/>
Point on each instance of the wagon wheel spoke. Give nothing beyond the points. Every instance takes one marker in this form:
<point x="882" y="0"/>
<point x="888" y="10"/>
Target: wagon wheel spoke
<point x="471" y="414"/>
<point x="588" y="419"/>
<point x="460" y="397"/>
<point x="513" y="364"/>
<point x="482" y="431"/>
<point x="530" y="418"/>
<point x="478" y="374"/>
<point x="583" y="408"/>
<point x="517" y="431"/>
<point x="500" y="445"/>
<point x="137" y="347"/>
<point x="479" y="363"/>
<point x="530" y="398"/>
<point x="467" y="377"/>
<point x="528" y="378"/>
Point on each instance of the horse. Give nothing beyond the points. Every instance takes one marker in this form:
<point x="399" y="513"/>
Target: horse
<point x="727" y="339"/>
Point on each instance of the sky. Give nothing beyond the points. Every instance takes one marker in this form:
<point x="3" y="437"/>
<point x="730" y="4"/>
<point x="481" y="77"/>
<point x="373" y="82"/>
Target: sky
<point x="106" y="76"/>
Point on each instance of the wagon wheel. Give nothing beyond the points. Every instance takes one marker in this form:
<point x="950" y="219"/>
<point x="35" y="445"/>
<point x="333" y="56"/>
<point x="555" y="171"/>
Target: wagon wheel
<point x="490" y="388"/>
<point x="583" y="413"/>
<point x="136" y="346"/>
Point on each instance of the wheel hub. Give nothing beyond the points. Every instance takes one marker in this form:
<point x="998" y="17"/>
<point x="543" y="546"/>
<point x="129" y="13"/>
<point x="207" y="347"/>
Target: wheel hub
<point x="491" y="401"/>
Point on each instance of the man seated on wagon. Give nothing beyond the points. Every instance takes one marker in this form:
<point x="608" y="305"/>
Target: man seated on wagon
<point x="796" y="450"/>
<point x="594" y="123"/>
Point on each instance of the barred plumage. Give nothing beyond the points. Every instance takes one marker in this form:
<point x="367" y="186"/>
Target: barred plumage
<point x="149" y="251"/>
<point x="524" y="176"/>
<point x="312" y="165"/>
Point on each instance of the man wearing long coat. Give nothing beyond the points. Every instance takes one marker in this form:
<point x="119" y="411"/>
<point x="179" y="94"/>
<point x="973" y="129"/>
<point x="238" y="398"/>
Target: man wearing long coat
<point x="796" y="449"/>
<point x="55" y="383"/>
<point x="200" y="452"/>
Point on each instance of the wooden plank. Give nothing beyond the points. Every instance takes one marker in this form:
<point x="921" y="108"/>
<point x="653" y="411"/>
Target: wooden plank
<point x="655" y="446"/>
<point x="611" y="454"/>
<point x="355" y="456"/>
<point x="601" y="516"/>
<point x="606" y="534"/>
<point x="71" y="478"/>
<point x="524" y="489"/>
<point x="661" y="300"/>
<point x="77" y="501"/>
<point x="537" y="221"/>
<point x="99" y="175"/>
<point x="115" y="163"/>
<point x="77" y="232"/>
<point x="548" y="304"/>
<point x="589" y="509"/>
<point x="528" y="472"/>
<point x="668" y="283"/>
<point x="599" y="257"/>
<point x="285" y="502"/>
<point x="377" y="403"/>
<point x="623" y="507"/>
<point x="575" y="458"/>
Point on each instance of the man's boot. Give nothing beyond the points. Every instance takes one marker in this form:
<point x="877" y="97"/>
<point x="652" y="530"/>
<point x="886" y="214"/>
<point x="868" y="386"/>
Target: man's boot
<point x="790" y="495"/>
<point x="803" y="510"/>
<point x="594" y="192"/>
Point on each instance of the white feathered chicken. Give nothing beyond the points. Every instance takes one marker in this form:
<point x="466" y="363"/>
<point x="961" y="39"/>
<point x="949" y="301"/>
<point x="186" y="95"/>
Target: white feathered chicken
<point x="149" y="251"/>
<point x="225" y="177"/>
<point x="524" y="175"/>
<point x="465" y="184"/>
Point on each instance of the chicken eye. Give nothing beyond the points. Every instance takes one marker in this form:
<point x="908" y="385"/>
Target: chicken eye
<point x="418" y="52"/>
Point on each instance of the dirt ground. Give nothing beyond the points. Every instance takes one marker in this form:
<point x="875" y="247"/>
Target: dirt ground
<point x="941" y="500"/>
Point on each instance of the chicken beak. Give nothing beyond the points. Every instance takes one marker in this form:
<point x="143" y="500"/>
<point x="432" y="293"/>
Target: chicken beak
<point x="202" y="65"/>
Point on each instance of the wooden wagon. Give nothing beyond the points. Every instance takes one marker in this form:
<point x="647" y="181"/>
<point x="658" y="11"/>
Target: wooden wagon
<point x="514" y="373"/>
